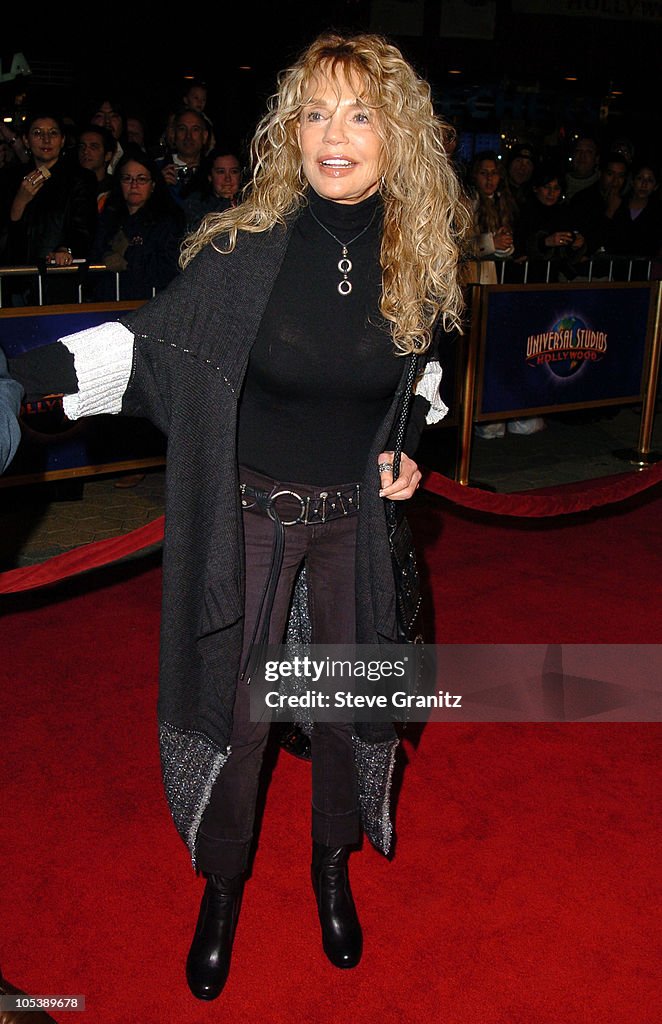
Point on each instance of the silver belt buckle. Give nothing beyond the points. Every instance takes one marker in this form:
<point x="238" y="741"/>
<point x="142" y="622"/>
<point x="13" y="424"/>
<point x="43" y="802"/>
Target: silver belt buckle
<point x="287" y="522"/>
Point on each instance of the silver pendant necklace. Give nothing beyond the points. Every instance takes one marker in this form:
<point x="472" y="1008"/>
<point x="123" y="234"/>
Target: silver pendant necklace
<point x="344" y="263"/>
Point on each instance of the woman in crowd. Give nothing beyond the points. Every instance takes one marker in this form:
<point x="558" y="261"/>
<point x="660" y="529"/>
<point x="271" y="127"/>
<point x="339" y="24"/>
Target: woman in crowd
<point x="494" y="213"/>
<point x="139" y="231"/>
<point x="222" y="187"/>
<point x="546" y="229"/>
<point x="494" y="218"/>
<point x="636" y="227"/>
<point x="276" y="363"/>
<point x="53" y="212"/>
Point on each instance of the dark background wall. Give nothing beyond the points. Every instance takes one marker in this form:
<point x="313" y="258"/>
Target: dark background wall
<point x="517" y="79"/>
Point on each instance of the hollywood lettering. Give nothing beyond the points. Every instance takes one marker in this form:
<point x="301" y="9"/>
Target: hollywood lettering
<point x="569" y="341"/>
<point x="42" y="405"/>
<point x="44" y="419"/>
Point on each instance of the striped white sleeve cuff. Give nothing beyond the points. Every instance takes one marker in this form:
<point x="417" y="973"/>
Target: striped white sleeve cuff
<point x="428" y="388"/>
<point x="103" y="357"/>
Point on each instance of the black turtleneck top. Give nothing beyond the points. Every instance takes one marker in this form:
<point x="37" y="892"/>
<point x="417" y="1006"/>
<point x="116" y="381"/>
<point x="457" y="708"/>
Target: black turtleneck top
<point x="322" y="371"/>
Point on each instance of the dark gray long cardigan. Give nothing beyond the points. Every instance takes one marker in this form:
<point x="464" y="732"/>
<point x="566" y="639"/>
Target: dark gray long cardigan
<point x="191" y="350"/>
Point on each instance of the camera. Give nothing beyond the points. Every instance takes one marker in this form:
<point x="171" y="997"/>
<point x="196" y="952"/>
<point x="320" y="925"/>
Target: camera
<point x="184" y="174"/>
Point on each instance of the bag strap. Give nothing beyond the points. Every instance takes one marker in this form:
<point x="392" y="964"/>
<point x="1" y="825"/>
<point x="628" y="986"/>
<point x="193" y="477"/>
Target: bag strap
<point x="401" y="430"/>
<point x="404" y="413"/>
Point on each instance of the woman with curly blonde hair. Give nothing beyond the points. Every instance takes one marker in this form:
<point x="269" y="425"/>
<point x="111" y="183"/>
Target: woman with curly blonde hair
<point x="277" y="364"/>
<point x="423" y="219"/>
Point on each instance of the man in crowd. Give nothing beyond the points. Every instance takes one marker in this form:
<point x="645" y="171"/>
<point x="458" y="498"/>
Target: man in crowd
<point x="521" y="165"/>
<point x="135" y="131"/>
<point x="584" y="171"/>
<point x="182" y="172"/>
<point x="594" y="207"/>
<point x="96" y="147"/>
<point x="109" y="116"/>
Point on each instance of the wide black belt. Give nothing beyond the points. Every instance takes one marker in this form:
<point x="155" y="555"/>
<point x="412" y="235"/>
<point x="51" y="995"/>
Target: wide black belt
<point x="287" y="507"/>
<point x="307" y="509"/>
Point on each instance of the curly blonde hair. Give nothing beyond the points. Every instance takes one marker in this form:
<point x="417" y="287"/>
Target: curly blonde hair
<point x="424" y="218"/>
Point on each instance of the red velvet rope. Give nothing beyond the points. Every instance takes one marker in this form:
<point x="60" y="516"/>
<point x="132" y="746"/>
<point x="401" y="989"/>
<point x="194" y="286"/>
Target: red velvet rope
<point x="559" y="501"/>
<point x="88" y="556"/>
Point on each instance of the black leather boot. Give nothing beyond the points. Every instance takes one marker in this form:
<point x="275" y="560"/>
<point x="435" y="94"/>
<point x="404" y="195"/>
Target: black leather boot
<point x="342" y="938"/>
<point x="208" y="962"/>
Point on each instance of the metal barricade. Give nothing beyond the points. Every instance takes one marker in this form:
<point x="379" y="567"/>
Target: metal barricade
<point x="80" y="269"/>
<point x="643" y="392"/>
<point x="516" y="271"/>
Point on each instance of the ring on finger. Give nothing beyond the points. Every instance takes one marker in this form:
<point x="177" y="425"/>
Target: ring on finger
<point x="385" y="467"/>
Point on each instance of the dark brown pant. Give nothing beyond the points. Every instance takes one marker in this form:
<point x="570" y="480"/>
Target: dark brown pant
<point x="226" y="830"/>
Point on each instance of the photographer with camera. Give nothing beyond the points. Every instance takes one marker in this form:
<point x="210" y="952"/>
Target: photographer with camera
<point x="182" y="171"/>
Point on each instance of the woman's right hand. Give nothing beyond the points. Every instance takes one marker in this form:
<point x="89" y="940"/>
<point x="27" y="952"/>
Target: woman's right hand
<point x="30" y="185"/>
<point x="27" y="190"/>
<point x="169" y="173"/>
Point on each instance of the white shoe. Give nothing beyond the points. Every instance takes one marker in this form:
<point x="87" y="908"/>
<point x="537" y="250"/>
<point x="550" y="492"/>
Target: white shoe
<point x="531" y="425"/>
<point x="490" y="430"/>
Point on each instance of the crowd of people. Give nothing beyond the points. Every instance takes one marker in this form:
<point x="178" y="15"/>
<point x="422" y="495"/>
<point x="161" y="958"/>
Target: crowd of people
<point x="593" y="214"/>
<point x="99" y="193"/>
<point x="565" y="213"/>
<point x="104" y="192"/>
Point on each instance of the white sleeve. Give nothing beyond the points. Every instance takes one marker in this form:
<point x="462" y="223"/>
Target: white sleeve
<point x="103" y="357"/>
<point x="428" y="387"/>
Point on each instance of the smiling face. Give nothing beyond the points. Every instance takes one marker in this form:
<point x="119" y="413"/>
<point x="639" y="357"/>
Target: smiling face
<point x="45" y="140"/>
<point x="341" y="151"/>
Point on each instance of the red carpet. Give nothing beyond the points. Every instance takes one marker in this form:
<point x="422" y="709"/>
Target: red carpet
<point x="525" y="886"/>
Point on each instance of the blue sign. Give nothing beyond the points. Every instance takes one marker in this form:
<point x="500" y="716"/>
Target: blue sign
<point x="577" y="345"/>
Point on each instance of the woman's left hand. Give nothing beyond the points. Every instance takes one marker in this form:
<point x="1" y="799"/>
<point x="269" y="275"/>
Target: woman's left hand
<point x="407" y="482"/>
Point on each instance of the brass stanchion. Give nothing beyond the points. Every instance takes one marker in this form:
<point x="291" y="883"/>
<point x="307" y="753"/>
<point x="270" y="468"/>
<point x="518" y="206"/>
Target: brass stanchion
<point x="469" y="389"/>
<point x="642" y="456"/>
